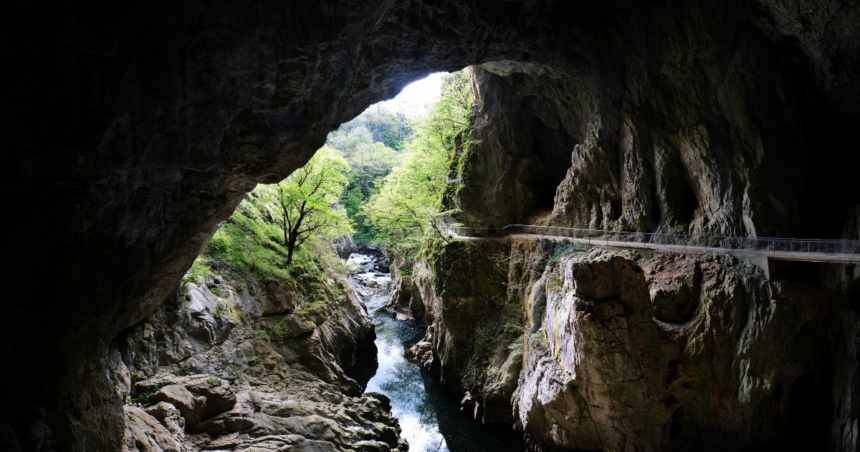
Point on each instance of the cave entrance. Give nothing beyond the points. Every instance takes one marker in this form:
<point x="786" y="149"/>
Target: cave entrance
<point x="553" y="147"/>
<point x="402" y="153"/>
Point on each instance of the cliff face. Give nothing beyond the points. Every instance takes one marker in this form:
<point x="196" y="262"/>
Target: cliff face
<point x="241" y="365"/>
<point x="710" y="150"/>
<point x="132" y="129"/>
<point x="595" y="350"/>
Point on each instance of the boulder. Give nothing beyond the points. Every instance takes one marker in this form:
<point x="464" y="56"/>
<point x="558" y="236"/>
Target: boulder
<point x="281" y="299"/>
<point x="144" y="433"/>
<point x="192" y="408"/>
<point x="223" y="423"/>
<point x="219" y="396"/>
<point x="371" y="446"/>
<point x="345" y="246"/>
<point x="169" y="416"/>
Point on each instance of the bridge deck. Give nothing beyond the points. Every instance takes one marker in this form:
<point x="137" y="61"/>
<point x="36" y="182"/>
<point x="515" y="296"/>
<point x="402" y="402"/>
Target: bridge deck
<point x="776" y="255"/>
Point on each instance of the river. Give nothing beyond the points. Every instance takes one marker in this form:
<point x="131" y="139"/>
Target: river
<point x="429" y="416"/>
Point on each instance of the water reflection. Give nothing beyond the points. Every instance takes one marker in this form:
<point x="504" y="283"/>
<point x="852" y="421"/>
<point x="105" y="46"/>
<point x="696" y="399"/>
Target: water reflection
<point x="429" y="416"/>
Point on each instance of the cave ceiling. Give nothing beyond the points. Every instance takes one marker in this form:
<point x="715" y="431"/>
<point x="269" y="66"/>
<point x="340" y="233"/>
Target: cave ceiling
<point x="130" y="129"/>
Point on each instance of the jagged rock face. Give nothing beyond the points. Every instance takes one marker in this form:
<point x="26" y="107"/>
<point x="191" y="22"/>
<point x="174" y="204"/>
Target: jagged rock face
<point x="750" y="367"/>
<point x="699" y="151"/>
<point x="660" y="352"/>
<point x="132" y="129"/>
<point x="258" y="379"/>
<point x="521" y="149"/>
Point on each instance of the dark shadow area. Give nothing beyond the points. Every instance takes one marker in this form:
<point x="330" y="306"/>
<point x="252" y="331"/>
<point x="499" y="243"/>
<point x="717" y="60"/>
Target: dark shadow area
<point x="830" y="173"/>
<point x="797" y="271"/>
<point x="366" y="364"/>
<point x="553" y="147"/>
<point x="459" y="428"/>
<point x="615" y="209"/>
<point x="808" y="408"/>
<point x="687" y="205"/>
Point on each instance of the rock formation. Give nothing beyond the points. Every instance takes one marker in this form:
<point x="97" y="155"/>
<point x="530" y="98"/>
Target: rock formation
<point x="244" y="371"/>
<point x="595" y="350"/>
<point x="132" y="129"/>
<point x="345" y="247"/>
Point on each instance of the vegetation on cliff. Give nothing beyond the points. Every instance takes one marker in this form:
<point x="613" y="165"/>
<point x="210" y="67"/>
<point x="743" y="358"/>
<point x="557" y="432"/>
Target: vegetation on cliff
<point x="379" y="176"/>
<point x="408" y="206"/>
<point x="284" y="231"/>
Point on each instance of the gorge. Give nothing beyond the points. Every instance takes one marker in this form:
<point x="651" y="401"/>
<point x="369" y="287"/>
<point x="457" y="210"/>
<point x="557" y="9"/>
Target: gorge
<point x="132" y="130"/>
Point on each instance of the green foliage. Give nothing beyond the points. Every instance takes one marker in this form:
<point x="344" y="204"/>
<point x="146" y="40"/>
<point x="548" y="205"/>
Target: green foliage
<point x="185" y="372"/>
<point x="371" y="144"/>
<point x="142" y="398"/>
<point x="281" y="329"/>
<point x="197" y="273"/>
<point x="408" y="207"/>
<point x="304" y="203"/>
<point x="376" y="125"/>
<point x="520" y="336"/>
<point x="513" y="328"/>
<point x="405" y="270"/>
<point x="553" y="250"/>
<point x="255" y="240"/>
<point x="264" y="334"/>
<point x="484" y="345"/>
<point x="518" y="344"/>
<point x="213" y="381"/>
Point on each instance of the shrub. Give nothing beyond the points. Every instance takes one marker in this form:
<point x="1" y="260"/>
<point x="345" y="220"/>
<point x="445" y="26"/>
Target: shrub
<point x="198" y="271"/>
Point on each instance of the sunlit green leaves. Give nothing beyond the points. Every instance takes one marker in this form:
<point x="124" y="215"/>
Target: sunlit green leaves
<point x="407" y="207"/>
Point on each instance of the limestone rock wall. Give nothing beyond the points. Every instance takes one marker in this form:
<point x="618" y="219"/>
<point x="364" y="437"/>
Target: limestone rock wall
<point x="131" y="129"/>
<point x="588" y="349"/>
<point x="520" y="151"/>
<point x="643" y="155"/>
<point x="240" y="370"/>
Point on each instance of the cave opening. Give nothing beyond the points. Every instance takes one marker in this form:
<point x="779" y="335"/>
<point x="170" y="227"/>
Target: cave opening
<point x="552" y="146"/>
<point x="615" y="209"/>
<point x="686" y="204"/>
<point x="161" y="119"/>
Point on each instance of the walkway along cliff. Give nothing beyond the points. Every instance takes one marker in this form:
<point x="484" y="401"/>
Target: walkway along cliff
<point x="131" y="129"/>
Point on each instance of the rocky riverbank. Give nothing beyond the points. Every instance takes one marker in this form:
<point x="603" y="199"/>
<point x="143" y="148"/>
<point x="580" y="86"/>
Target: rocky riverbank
<point x="250" y="365"/>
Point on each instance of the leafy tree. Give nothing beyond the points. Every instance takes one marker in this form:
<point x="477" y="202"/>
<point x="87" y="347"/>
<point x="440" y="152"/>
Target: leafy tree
<point x="407" y="207"/>
<point x="307" y="200"/>
<point x="450" y="115"/>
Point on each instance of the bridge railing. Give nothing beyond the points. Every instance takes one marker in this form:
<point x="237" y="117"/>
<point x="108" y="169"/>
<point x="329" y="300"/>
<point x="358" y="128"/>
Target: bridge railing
<point x="760" y="244"/>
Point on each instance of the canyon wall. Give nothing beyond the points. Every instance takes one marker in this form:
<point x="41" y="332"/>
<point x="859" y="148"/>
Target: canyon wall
<point x="132" y="129"/>
<point x="719" y="157"/>
<point x="591" y="349"/>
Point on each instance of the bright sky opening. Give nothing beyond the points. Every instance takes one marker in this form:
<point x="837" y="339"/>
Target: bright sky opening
<point x="417" y="96"/>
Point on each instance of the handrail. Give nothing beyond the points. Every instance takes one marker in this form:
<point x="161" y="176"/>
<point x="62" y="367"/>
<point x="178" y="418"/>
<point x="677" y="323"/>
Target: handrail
<point x="758" y="244"/>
